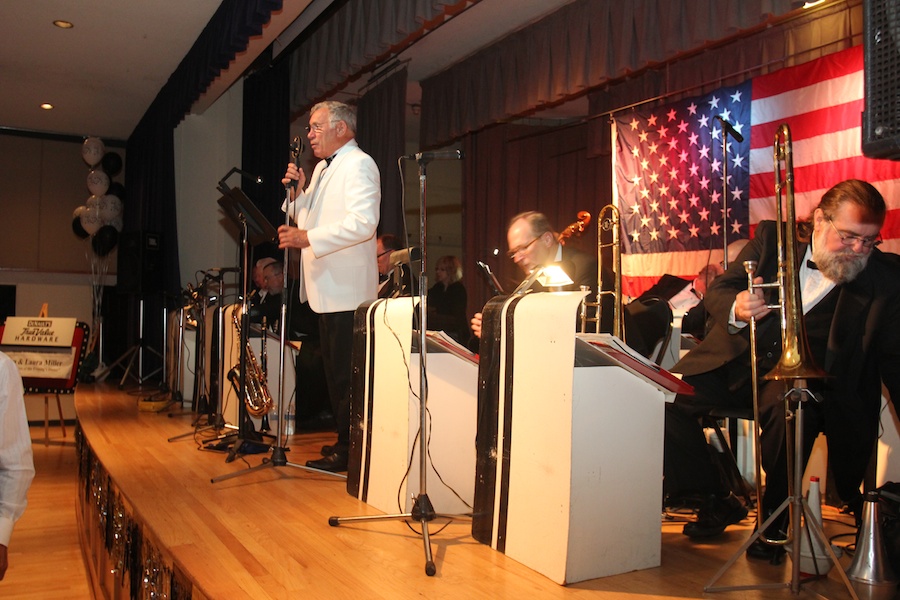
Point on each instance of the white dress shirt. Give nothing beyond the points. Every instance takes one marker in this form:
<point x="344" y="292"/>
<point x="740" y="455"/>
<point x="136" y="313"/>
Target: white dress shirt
<point x="16" y="460"/>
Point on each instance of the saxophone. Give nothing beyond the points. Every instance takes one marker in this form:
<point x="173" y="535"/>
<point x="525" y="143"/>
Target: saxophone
<point x="256" y="392"/>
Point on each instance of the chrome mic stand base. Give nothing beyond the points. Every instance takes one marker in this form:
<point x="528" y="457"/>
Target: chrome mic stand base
<point x="422" y="511"/>
<point x="798" y="506"/>
<point x="278" y="459"/>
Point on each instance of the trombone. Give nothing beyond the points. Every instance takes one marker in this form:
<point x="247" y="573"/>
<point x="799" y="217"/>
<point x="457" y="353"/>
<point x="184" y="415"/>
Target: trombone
<point x="796" y="364"/>
<point x="607" y="227"/>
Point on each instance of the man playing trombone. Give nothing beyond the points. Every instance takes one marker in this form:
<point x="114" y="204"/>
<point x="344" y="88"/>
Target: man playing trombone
<point x="851" y="305"/>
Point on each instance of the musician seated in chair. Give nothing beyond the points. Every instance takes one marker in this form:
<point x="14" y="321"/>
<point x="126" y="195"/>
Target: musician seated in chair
<point x="533" y="243"/>
<point x="270" y="306"/>
<point x="851" y="302"/>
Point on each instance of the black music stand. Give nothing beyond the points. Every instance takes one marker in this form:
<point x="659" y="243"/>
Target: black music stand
<point x="255" y="229"/>
<point x="238" y="201"/>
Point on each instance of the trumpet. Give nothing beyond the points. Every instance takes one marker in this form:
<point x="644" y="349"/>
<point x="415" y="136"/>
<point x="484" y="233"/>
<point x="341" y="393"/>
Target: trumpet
<point x="607" y="227"/>
<point x="796" y="364"/>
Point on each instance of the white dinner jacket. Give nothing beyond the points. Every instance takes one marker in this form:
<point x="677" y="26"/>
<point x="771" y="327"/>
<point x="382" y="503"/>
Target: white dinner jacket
<point x="339" y="209"/>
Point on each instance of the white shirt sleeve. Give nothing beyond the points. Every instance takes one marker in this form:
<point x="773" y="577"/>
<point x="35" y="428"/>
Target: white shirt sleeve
<point x="16" y="459"/>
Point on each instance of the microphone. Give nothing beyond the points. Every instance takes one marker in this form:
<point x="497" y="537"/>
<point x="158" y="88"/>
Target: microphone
<point x="730" y="129"/>
<point x="296" y="148"/>
<point x="296" y="151"/>
<point x="439" y="155"/>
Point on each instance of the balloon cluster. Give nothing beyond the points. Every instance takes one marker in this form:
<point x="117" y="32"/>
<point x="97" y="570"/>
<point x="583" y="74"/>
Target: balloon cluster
<point x="101" y="216"/>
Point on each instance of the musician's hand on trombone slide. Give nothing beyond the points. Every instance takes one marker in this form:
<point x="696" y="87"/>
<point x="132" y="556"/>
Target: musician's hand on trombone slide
<point x="747" y="305"/>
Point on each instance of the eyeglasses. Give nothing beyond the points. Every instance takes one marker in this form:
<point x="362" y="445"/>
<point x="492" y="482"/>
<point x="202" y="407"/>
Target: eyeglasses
<point x="849" y="239"/>
<point x="319" y="127"/>
<point x="512" y="253"/>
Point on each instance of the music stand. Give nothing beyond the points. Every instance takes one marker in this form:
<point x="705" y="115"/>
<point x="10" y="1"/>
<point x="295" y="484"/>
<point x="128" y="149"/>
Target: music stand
<point x="255" y="229"/>
<point x="240" y="208"/>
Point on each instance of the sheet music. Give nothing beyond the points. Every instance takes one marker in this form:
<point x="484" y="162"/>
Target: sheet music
<point x="613" y="341"/>
<point x="450" y="345"/>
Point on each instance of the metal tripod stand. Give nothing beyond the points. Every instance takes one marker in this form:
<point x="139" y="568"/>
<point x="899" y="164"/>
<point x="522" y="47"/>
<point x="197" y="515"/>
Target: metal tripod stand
<point x="422" y="510"/>
<point x="797" y="505"/>
<point x="132" y="354"/>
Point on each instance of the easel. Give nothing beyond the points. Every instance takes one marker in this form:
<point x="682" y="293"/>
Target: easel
<point x="52" y="386"/>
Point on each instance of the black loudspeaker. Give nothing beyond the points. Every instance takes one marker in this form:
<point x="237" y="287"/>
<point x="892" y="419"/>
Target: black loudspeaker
<point x="881" y="117"/>
<point x="140" y="262"/>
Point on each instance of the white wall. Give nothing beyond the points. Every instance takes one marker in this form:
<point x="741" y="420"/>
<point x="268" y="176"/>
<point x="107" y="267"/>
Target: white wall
<point x="207" y="146"/>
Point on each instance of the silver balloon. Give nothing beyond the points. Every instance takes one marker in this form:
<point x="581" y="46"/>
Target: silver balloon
<point x="98" y="182"/>
<point x="92" y="151"/>
<point x="110" y="207"/>
<point x="90" y="220"/>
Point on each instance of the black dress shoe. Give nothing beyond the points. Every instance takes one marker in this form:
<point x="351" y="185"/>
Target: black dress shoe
<point x="333" y="463"/>
<point x="760" y="550"/>
<point x="328" y="450"/>
<point x="715" y="515"/>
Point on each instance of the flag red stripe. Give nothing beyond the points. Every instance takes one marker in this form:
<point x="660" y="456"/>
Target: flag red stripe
<point x="792" y="78"/>
<point x="810" y="124"/>
<point x="811" y="177"/>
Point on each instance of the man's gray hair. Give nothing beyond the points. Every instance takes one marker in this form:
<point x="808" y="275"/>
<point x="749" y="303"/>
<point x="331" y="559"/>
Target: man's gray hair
<point x="338" y="111"/>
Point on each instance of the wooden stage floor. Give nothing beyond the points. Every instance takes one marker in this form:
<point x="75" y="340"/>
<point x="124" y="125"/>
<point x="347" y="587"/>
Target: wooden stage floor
<point x="265" y="534"/>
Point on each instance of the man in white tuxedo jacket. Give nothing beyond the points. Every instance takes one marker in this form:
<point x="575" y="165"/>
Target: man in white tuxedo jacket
<point x="336" y="218"/>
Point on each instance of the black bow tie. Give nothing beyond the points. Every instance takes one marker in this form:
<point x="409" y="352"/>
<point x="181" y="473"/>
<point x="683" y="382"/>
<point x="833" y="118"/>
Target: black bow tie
<point x="812" y="265"/>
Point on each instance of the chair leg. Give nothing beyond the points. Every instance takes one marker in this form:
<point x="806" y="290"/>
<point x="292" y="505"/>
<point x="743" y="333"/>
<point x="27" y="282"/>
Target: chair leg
<point x="62" y="422"/>
<point x="46" y="420"/>
<point x="728" y="460"/>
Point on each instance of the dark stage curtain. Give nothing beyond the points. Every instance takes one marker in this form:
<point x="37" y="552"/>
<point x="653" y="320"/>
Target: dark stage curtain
<point x="359" y="35"/>
<point x="266" y="142"/>
<point x="381" y="121"/>
<point x="580" y="46"/>
<point x="805" y="38"/>
<point x="150" y="176"/>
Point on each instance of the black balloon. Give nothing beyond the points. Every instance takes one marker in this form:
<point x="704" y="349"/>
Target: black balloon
<point x="111" y="163"/>
<point x="116" y="189"/>
<point x="105" y="240"/>
<point x="78" y="229"/>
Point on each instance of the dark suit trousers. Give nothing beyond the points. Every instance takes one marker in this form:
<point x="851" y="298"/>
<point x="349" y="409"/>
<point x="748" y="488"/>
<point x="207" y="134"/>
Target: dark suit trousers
<point x="688" y="465"/>
<point x="336" y="334"/>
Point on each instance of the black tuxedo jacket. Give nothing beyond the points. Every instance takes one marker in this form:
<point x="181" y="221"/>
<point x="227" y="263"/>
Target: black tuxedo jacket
<point x="863" y="347"/>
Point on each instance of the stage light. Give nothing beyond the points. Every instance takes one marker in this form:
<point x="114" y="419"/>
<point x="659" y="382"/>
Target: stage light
<point x="63" y="24"/>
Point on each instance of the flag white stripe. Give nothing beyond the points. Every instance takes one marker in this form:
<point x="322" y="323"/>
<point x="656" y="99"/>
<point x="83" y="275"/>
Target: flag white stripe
<point x="807" y="99"/>
<point x="762" y="209"/>
<point x="811" y="151"/>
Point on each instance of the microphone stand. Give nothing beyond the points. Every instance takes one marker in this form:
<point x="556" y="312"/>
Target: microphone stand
<point x="422" y="509"/>
<point x="279" y="456"/>
<point x="725" y="198"/>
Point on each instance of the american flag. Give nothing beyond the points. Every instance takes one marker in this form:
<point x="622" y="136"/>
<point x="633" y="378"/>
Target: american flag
<point x="668" y="164"/>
